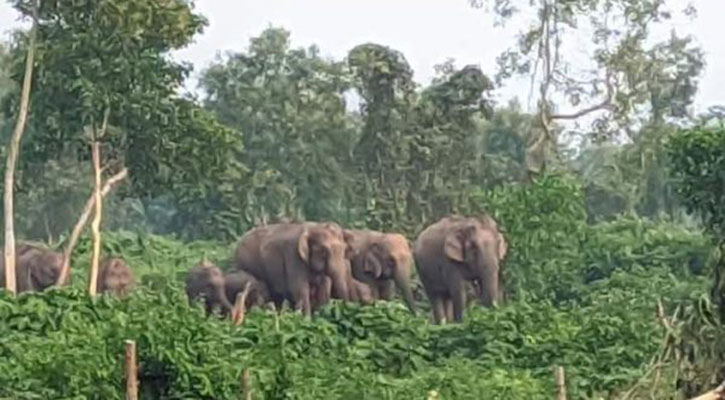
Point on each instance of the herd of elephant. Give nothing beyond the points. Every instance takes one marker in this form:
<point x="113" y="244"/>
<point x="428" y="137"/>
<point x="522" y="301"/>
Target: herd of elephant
<point x="309" y="263"/>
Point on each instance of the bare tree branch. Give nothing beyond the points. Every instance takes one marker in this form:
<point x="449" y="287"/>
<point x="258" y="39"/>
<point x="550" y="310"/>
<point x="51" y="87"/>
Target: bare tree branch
<point x="85" y="215"/>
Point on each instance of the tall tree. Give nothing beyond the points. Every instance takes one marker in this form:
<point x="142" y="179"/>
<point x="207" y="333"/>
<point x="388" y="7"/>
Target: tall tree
<point x="104" y="79"/>
<point x="449" y="121"/>
<point x="626" y="80"/>
<point x="288" y="106"/>
<point x="12" y="157"/>
<point x="697" y="162"/>
<point x="384" y="81"/>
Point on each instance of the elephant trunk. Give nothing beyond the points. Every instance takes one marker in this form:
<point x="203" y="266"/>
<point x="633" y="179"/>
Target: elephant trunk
<point x="488" y="279"/>
<point x="227" y="306"/>
<point x="402" y="281"/>
<point x="340" y="275"/>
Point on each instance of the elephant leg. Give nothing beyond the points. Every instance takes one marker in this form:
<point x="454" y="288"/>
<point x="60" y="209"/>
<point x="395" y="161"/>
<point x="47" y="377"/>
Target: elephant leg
<point x="301" y="299"/>
<point x="457" y="293"/>
<point x="438" y="309"/>
<point x="448" y="306"/>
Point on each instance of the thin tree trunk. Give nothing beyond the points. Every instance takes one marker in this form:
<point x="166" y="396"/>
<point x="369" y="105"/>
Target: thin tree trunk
<point x="96" y="225"/>
<point x="12" y="159"/>
<point x="78" y="228"/>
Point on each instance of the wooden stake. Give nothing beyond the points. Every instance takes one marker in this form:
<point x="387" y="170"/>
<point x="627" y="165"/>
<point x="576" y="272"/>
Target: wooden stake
<point x="12" y="160"/>
<point x="560" y="383"/>
<point x="247" y="384"/>
<point x="78" y="228"/>
<point x="131" y="371"/>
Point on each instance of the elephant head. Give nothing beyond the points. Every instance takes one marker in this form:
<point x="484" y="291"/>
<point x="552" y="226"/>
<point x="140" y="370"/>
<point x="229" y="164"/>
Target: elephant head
<point x="477" y="249"/>
<point x="115" y="277"/>
<point x="385" y="257"/>
<point x="322" y="247"/>
<point x="206" y="280"/>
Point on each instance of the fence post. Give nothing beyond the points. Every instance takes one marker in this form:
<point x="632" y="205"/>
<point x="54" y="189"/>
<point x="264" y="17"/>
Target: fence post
<point x="560" y="383"/>
<point x="131" y="371"/>
<point x="247" y="384"/>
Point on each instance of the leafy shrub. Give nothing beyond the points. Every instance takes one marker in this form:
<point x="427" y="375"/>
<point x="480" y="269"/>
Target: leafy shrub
<point x="627" y="243"/>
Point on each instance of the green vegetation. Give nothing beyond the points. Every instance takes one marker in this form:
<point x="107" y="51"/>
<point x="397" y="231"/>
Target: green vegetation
<point x="615" y="268"/>
<point x="604" y="332"/>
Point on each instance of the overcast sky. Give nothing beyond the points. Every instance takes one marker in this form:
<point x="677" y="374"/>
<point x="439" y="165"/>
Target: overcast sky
<point x="427" y="32"/>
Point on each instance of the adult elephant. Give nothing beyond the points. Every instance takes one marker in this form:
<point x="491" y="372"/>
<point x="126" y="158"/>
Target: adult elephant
<point x="382" y="261"/>
<point x="295" y="259"/>
<point x="36" y="268"/>
<point x="456" y="250"/>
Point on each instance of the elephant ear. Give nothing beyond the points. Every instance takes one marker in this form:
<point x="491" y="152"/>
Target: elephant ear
<point x="351" y="250"/>
<point x="373" y="263"/>
<point x="303" y="245"/>
<point x="453" y="246"/>
<point x="502" y="246"/>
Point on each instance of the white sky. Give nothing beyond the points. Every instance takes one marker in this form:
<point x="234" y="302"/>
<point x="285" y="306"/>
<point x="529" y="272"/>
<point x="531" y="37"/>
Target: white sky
<point x="427" y="32"/>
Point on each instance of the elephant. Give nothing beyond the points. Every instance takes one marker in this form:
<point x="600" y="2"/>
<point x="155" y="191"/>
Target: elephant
<point x="36" y="268"/>
<point x="205" y="280"/>
<point x="115" y="276"/>
<point x="234" y="284"/>
<point x="382" y="261"/>
<point x="296" y="259"/>
<point x="456" y="250"/>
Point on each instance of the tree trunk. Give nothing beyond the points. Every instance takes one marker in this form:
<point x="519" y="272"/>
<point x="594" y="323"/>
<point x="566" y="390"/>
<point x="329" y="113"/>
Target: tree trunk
<point x="96" y="226"/>
<point x="12" y="159"/>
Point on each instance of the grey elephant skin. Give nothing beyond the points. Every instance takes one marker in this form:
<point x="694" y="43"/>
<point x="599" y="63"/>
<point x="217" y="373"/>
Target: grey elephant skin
<point x="382" y="261"/>
<point x="116" y="277"/>
<point x="456" y="250"/>
<point x="206" y="281"/>
<point x="36" y="268"/>
<point x="296" y="261"/>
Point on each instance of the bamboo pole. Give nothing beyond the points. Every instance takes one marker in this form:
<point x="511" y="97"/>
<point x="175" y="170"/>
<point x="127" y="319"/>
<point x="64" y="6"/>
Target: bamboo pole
<point x="12" y="160"/>
<point x="131" y="371"/>
<point x="78" y="228"/>
<point x="560" y="383"/>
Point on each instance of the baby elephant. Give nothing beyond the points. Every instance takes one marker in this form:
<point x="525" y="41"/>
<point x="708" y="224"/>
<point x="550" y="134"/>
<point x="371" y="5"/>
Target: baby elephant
<point x="236" y="281"/>
<point x="206" y="280"/>
<point x="115" y="277"/>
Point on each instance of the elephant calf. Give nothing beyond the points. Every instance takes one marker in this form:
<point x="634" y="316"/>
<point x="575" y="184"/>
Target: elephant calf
<point x="36" y="268"/>
<point x="456" y="250"/>
<point x="205" y="280"/>
<point x="236" y="281"/>
<point x="115" y="276"/>
<point x="381" y="261"/>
